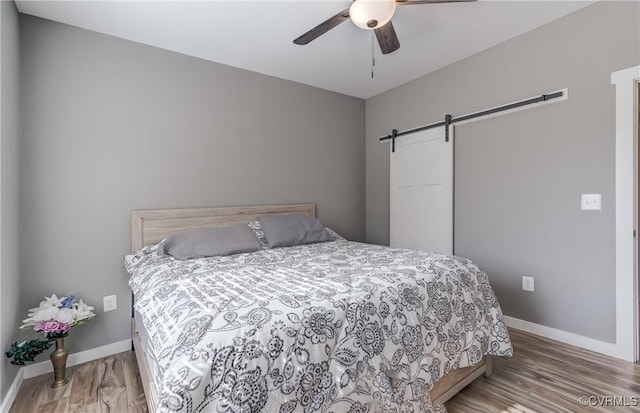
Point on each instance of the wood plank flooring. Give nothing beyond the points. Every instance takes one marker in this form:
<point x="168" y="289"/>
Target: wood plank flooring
<point x="544" y="376"/>
<point x="109" y="385"/>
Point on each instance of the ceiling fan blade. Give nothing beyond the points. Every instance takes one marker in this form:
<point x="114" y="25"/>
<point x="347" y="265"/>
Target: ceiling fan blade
<point x="387" y="38"/>
<point x="414" y="2"/>
<point x="323" y="27"/>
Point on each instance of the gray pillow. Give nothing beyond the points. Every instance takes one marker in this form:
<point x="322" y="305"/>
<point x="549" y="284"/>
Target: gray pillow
<point x="290" y="230"/>
<point x="209" y="242"/>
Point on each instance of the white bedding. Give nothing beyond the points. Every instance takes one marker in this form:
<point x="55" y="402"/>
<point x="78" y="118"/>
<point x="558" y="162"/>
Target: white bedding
<point x="334" y="327"/>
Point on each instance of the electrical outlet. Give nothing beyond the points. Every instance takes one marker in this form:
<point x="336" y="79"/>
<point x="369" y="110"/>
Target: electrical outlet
<point x="527" y="283"/>
<point x="110" y="303"/>
<point x="591" y="202"/>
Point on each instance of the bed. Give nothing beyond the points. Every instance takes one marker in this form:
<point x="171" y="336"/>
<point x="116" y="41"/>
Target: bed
<point x="337" y="326"/>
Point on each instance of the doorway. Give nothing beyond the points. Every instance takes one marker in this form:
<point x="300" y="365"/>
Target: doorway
<point x="627" y="180"/>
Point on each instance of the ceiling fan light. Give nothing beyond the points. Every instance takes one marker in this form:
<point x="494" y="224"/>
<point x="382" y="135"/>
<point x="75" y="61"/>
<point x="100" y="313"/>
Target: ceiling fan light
<point x="371" y="14"/>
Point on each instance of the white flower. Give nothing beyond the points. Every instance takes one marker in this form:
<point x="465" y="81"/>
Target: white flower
<point x="44" y="305"/>
<point x="53" y="301"/>
<point x="27" y="323"/>
<point x="66" y="315"/>
<point x="44" y="314"/>
<point x="51" y="309"/>
<point x="83" y="311"/>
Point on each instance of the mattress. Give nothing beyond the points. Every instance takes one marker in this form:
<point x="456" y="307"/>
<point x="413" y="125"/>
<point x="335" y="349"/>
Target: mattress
<point x="337" y="326"/>
<point x="149" y="353"/>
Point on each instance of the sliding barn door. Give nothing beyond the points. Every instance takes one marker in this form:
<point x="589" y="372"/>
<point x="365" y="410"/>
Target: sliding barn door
<point x="422" y="192"/>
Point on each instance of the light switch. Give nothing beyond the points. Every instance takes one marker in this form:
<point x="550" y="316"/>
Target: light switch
<point x="591" y="202"/>
<point x="110" y="303"/>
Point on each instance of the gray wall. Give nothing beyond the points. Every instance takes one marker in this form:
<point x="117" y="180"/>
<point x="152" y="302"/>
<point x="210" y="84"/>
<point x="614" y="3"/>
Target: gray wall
<point x="9" y="237"/>
<point x="519" y="177"/>
<point x="110" y="126"/>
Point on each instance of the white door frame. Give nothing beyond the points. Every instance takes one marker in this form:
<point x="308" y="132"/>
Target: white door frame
<point x="626" y="82"/>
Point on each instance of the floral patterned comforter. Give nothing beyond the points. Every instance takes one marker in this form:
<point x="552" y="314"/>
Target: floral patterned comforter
<point x="331" y="327"/>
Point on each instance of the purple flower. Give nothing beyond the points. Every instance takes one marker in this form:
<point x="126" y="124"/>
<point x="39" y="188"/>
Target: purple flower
<point x="49" y="326"/>
<point x="65" y="327"/>
<point x="68" y="302"/>
<point x="52" y="326"/>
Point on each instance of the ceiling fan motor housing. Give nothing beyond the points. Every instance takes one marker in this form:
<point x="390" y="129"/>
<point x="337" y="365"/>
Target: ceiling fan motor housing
<point x="371" y="14"/>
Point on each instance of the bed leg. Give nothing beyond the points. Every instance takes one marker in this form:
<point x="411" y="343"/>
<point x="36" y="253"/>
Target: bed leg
<point x="488" y="366"/>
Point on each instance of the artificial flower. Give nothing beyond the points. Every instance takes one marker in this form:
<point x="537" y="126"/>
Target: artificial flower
<point x="83" y="311"/>
<point x="45" y="313"/>
<point x="54" y="317"/>
<point x="53" y="300"/>
<point x="66" y="315"/>
<point x="67" y="302"/>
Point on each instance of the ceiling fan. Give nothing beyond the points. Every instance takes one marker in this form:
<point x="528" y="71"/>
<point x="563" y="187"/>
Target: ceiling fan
<point x="369" y="15"/>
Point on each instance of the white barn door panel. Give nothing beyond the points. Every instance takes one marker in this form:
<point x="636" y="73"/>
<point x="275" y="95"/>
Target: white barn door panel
<point x="421" y="204"/>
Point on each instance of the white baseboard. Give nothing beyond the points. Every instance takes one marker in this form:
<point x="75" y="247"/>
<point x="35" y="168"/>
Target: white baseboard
<point x="603" y="347"/>
<point x="43" y="367"/>
<point x="13" y="392"/>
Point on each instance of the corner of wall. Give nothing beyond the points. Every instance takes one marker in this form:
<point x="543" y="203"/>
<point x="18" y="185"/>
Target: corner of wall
<point x="10" y="397"/>
<point x="10" y="376"/>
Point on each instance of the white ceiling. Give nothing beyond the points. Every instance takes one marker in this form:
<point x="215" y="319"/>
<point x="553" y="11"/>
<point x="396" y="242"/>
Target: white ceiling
<point x="258" y="35"/>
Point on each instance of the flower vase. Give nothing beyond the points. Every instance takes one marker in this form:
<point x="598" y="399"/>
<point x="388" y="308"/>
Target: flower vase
<point x="59" y="360"/>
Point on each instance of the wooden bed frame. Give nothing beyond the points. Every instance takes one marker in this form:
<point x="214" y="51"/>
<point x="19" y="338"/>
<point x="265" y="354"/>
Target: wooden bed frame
<point x="150" y="226"/>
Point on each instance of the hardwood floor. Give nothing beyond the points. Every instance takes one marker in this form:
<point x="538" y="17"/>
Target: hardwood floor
<point x="109" y="385"/>
<point x="544" y="376"/>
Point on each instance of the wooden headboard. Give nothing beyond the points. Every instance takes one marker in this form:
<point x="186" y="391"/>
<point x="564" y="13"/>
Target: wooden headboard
<point x="153" y="225"/>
